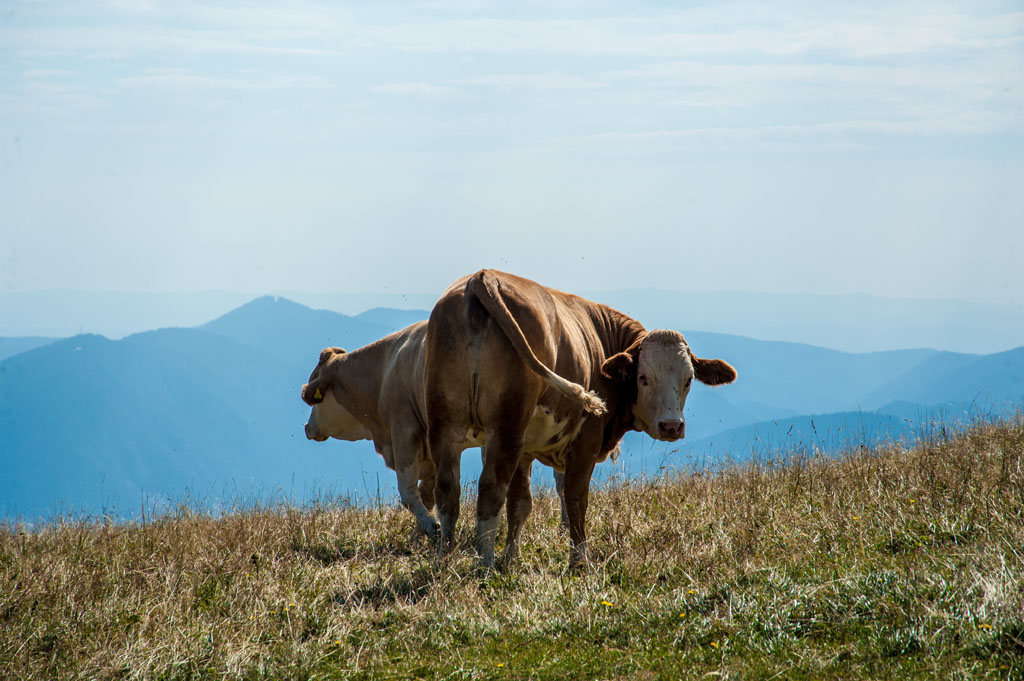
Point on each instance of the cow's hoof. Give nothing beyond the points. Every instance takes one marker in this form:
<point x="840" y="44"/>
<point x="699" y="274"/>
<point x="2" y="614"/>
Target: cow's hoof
<point x="579" y="559"/>
<point x="429" y="527"/>
<point x="510" y="556"/>
<point x="445" y="545"/>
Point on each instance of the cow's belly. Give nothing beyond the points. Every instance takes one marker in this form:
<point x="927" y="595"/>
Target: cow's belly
<point x="546" y="438"/>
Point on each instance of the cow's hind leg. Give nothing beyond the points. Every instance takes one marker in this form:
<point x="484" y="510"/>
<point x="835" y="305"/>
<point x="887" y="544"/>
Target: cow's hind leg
<point x="501" y="458"/>
<point x="446" y="450"/>
<point x="518" y="505"/>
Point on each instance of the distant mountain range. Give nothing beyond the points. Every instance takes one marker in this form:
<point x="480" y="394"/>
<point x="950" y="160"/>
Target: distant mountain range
<point x="854" y="323"/>
<point x="211" y="415"/>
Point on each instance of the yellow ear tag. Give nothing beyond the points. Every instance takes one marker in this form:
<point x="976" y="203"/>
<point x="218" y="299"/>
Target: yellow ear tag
<point x="318" y="395"/>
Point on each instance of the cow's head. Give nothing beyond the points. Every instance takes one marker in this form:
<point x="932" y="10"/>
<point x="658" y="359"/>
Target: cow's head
<point x="325" y="393"/>
<point x="662" y="366"/>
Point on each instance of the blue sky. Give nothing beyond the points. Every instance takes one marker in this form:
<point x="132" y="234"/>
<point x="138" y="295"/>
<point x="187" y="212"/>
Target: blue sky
<point x="263" y="146"/>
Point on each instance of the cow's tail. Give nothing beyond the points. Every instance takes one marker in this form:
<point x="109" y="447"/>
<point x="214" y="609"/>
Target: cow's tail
<point x="484" y="287"/>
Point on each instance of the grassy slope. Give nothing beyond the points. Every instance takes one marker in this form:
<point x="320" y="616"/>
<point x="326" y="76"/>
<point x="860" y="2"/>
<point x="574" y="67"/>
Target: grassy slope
<point x="893" y="564"/>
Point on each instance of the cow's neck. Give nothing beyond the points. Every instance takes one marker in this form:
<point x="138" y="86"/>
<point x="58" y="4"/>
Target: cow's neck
<point x="364" y="370"/>
<point x="618" y="331"/>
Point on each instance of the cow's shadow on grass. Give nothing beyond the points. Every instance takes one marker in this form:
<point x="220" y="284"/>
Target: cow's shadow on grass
<point x="343" y="550"/>
<point x="390" y="590"/>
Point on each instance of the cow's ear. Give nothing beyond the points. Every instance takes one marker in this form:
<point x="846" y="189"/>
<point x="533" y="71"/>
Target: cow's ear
<point x="330" y="352"/>
<point x="621" y="367"/>
<point x="618" y="367"/>
<point x="314" y="391"/>
<point x="713" y="371"/>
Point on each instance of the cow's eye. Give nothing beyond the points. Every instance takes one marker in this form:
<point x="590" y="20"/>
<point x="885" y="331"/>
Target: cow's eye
<point x="642" y="379"/>
<point x="688" y="382"/>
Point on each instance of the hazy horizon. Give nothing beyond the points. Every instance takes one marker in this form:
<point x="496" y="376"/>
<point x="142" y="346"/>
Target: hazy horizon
<point x="851" y="323"/>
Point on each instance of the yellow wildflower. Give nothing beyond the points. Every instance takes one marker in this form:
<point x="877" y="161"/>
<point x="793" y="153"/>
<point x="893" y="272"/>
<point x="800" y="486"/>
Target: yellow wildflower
<point x="608" y="603"/>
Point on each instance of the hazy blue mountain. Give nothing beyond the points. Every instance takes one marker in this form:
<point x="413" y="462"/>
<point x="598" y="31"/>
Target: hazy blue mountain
<point x="829" y="433"/>
<point x="982" y="381"/>
<point x="91" y="424"/>
<point x="801" y="378"/>
<point x="15" y="346"/>
<point x="294" y="333"/>
<point x="774" y="439"/>
<point x="853" y="323"/>
<point x="709" y="411"/>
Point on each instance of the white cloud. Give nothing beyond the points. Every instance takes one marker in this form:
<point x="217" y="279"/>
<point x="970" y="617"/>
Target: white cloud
<point x="829" y="136"/>
<point x="117" y="42"/>
<point x="46" y="74"/>
<point x="535" y="81"/>
<point x="918" y="90"/>
<point x="865" y="32"/>
<point x="253" y="80"/>
<point x="426" y="90"/>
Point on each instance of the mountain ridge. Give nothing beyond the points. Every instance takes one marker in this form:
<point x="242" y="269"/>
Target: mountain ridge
<point x="853" y="322"/>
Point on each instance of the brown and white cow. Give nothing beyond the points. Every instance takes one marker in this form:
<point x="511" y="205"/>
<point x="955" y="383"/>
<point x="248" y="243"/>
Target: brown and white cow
<point x="534" y="373"/>
<point x="376" y="393"/>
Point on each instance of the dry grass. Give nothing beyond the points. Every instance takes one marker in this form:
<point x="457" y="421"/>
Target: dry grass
<point x="887" y="564"/>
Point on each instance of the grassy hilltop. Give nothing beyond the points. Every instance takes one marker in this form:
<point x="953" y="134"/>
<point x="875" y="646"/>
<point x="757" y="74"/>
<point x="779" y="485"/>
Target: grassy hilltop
<point x="893" y="563"/>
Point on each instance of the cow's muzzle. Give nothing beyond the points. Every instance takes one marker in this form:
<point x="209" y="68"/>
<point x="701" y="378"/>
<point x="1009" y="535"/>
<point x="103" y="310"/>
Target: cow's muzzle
<point x="671" y="430"/>
<point x="313" y="434"/>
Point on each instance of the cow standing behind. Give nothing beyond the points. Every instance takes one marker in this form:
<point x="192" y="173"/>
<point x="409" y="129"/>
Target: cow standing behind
<point x="530" y="373"/>
<point x="376" y="393"/>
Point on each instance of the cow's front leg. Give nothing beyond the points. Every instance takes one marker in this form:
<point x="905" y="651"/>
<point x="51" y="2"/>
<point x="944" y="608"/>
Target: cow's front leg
<point x="408" y="454"/>
<point x="577" y="492"/>
<point x="428" y="479"/>
<point x="501" y="458"/>
<point x="560" y="489"/>
<point x="408" y="478"/>
<point x="518" y="505"/>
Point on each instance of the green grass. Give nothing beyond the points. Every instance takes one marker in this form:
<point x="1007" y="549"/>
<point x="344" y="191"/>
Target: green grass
<point x="891" y="564"/>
